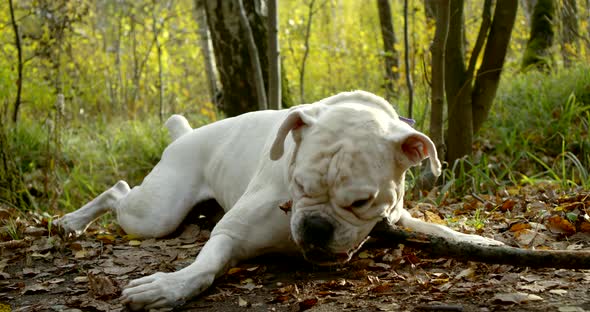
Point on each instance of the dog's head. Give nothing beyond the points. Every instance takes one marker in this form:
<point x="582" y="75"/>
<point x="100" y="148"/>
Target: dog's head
<point x="347" y="171"/>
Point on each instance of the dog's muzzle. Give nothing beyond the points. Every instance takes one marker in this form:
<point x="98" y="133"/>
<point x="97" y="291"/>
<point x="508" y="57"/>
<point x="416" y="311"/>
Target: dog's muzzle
<point x="316" y="234"/>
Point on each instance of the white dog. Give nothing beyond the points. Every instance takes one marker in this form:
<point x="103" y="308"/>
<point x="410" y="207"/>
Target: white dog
<point x="342" y="166"/>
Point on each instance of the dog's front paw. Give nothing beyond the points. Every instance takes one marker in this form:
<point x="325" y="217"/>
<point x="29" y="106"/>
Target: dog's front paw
<point x="162" y="290"/>
<point x="70" y="224"/>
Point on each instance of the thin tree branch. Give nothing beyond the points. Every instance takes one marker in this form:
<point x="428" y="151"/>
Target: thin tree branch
<point x="407" y="62"/>
<point x="19" y="82"/>
<point x="486" y="22"/>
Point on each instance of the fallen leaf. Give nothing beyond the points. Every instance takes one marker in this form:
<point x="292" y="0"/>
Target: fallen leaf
<point x="243" y="303"/>
<point x="307" y="304"/>
<point x="365" y="254"/>
<point x="106" y="238"/>
<point x="557" y="224"/>
<point x="102" y="287"/>
<point x="560" y="292"/>
<point x="507" y="205"/>
<point x="515" y="298"/>
<point x="465" y="273"/>
<point x="134" y="242"/>
<point x="80" y="254"/>
<point x="434" y="218"/>
<point x="519" y="227"/>
<point x="35" y="288"/>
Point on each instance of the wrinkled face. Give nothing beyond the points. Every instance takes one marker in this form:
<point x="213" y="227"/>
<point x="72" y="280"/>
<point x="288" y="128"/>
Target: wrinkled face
<point x="342" y="182"/>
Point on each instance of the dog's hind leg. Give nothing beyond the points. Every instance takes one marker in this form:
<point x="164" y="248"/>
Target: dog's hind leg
<point x="77" y="221"/>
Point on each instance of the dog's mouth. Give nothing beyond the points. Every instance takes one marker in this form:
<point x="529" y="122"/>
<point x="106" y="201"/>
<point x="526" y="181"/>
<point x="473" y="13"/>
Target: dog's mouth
<point x="325" y="257"/>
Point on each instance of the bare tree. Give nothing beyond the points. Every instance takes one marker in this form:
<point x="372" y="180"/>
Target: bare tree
<point x="208" y="58"/>
<point x="438" y="73"/>
<point x="232" y="56"/>
<point x="254" y="57"/>
<point x="469" y="96"/>
<point x="391" y="57"/>
<point x="274" y="56"/>
<point x="19" y="81"/>
<point x="409" y="82"/>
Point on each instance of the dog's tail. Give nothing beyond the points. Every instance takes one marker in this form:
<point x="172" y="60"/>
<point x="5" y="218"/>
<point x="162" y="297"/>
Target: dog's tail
<point x="177" y="126"/>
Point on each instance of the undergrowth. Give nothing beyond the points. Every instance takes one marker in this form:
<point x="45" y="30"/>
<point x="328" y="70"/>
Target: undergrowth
<point x="63" y="173"/>
<point x="537" y="131"/>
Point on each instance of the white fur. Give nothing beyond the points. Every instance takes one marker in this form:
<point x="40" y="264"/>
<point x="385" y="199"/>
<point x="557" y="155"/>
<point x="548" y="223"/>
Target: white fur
<point x="345" y="148"/>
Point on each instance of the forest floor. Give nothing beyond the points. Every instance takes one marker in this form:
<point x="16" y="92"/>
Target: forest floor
<point x="40" y="271"/>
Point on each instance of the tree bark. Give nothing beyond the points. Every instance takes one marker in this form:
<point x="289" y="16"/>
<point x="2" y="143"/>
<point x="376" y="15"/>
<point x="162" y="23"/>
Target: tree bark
<point x="486" y="22"/>
<point x="19" y="81"/>
<point x="569" y="31"/>
<point x="430" y="8"/>
<point x="458" y="89"/>
<point x="488" y="75"/>
<point x="391" y="57"/>
<point x="232" y="56"/>
<point x="464" y="251"/>
<point x="438" y="76"/>
<point x="208" y="58"/>
<point x="409" y="82"/>
<point x="254" y="57"/>
<point x="537" y="53"/>
<point x="274" y="55"/>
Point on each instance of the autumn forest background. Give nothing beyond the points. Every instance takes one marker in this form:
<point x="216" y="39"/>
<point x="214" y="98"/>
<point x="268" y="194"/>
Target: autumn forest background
<point x="502" y="87"/>
<point x="85" y="85"/>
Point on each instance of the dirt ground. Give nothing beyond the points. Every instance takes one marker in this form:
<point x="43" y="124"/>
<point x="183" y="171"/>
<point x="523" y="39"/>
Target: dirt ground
<point x="41" y="271"/>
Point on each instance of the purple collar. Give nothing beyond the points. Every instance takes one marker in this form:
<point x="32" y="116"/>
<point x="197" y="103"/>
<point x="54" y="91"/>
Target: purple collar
<point x="409" y="121"/>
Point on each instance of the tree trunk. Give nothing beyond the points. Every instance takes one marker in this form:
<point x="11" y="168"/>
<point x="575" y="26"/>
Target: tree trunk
<point x="438" y="76"/>
<point x="488" y="75"/>
<point x="569" y="31"/>
<point x="430" y="8"/>
<point x="391" y="57"/>
<point x="409" y="82"/>
<point x="232" y="55"/>
<point x="208" y="58"/>
<point x="274" y="55"/>
<point x="537" y="53"/>
<point x="19" y="81"/>
<point x="254" y="57"/>
<point x="458" y="89"/>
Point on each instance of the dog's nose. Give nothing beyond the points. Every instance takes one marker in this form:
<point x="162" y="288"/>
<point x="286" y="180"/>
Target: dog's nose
<point x="317" y="231"/>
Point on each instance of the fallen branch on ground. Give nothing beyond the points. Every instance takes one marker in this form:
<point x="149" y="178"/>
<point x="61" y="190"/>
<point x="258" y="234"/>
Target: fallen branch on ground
<point x="440" y="247"/>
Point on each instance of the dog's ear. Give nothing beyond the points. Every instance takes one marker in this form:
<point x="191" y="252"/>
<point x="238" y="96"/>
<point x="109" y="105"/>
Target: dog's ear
<point x="303" y="116"/>
<point x="415" y="147"/>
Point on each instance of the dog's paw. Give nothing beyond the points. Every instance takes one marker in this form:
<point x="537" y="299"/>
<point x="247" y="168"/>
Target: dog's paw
<point x="161" y="290"/>
<point x="70" y="225"/>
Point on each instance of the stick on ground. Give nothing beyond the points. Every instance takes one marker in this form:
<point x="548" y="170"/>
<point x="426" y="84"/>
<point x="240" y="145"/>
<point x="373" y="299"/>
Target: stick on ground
<point x="440" y="247"/>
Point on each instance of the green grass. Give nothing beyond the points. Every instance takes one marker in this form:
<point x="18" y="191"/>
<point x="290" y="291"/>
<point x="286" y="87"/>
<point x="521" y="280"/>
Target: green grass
<point x="64" y="174"/>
